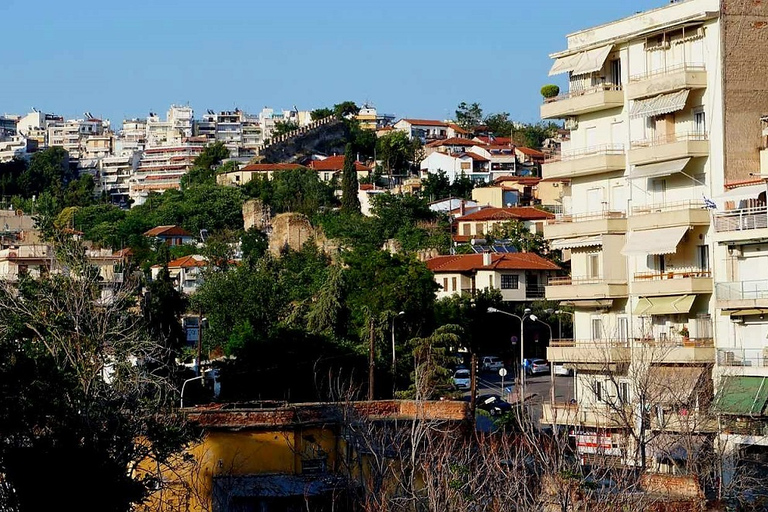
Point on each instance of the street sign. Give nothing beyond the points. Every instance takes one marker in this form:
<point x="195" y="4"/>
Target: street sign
<point x="503" y="372"/>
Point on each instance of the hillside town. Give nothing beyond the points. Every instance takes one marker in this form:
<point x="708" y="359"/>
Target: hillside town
<point x="340" y="309"/>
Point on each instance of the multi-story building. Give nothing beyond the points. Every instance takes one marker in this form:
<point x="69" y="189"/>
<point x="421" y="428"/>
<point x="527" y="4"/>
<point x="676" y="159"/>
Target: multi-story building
<point x="661" y="108"/>
<point x="8" y="125"/>
<point x="114" y="175"/>
<point x="133" y="136"/>
<point x="370" y="119"/>
<point x="178" y="125"/>
<point x="161" y="169"/>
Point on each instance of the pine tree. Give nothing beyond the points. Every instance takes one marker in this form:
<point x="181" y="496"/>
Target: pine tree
<point x="349" y="186"/>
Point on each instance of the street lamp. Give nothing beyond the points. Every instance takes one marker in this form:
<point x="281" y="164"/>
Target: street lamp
<point x="526" y="314"/>
<point x="551" y="366"/>
<point x="394" y="353"/>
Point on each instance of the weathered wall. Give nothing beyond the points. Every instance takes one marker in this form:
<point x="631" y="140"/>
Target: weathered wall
<point x="745" y="84"/>
<point x="294" y="230"/>
<point x="326" y="139"/>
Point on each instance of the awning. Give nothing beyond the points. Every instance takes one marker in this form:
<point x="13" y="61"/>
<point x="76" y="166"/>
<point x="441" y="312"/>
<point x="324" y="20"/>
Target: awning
<point x="658" y="105"/>
<point x="565" y="64"/>
<point x="744" y="312"/>
<point x="668" y="305"/>
<point x="742" y="396"/>
<point x="672" y="385"/>
<point x="581" y="63"/>
<point x="592" y="60"/>
<point x="653" y="241"/>
<point x="739" y="195"/>
<point x="659" y="169"/>
<point x="572" y="243"/>
<point x="588" y="303"/>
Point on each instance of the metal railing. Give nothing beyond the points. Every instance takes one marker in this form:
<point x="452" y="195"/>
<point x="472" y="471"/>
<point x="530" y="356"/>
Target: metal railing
<point x="755" y="358"/>
<point x="672" y="341"/>
<point x="695" y="204"/>
<point x="742" y="290"/>
<point x="584" y="92"/>
<point x="678" y="273"/>
<point x="584" y="217"/>
<point x="569" y="281"/>
<point x="669" y="138"/>
<point x="588" y="343"/>
<point x="534" y="292"/>
<point x="742" y="220"/>
<point x="639" y="77"/>
<point x="602" y="149"/>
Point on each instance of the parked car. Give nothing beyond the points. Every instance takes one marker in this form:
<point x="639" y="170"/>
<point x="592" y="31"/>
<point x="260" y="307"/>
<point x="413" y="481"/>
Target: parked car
<point x="536" y="366"/>
<point x="492" y="363"/>
<point x="461" y="379"/>
<point x="493" y="404"/>
<point x="560" y="369"/>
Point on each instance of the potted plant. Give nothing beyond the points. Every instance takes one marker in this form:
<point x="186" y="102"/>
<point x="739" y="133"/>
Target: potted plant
<point x="550" y="91"/>
<point x="685" y="334"/>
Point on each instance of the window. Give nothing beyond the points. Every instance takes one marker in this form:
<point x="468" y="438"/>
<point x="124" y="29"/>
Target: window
<point x="702" y="253"/>
<point x="624" y="392"/>
<point x="445" y="283"/>
<point x="623" y="328"/>
<point x="490" y="281"/>
<point x="510" y="282"/>
<point x="699" y="123"/>
<point x="479" y="228"/>
<point x="597" y="329"/>
<point x="593" y="266"/>
<point x="598" y="391"/>
<point x="453" y="283"/>
<point x="614" y="71"/>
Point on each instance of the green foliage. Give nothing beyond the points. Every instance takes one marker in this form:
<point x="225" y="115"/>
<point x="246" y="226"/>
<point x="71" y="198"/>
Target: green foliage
<point x="295" y="190"/>
<point x="345" y="108"/>
<point x="470" y="313"/>
<point x="211" y="156"/>
<point x="349" y="200"/>
<point x="320" y="113"/>
<point x="436" y="186"/>
<point x="431" y="378"/>
<point x="499" y="124"/>
<point x="550" y="91"/>
<point x="397" y="152"/>
<point x="80" y="191"/>
<point x="283" y="127"/>
<point x="520" y="236"/>
<point x="469" y="116"/>
<point x="533" y="135"/>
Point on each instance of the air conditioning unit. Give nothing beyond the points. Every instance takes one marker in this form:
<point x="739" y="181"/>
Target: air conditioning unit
<point x="735" y="250"/>
<point x="571" y="123"/>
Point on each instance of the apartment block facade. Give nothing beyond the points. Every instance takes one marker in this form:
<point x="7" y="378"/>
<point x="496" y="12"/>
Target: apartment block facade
<point x="663" y="109"/>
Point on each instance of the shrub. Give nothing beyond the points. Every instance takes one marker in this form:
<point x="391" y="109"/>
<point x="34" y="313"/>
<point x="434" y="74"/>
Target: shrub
<point x="550" y="91"/>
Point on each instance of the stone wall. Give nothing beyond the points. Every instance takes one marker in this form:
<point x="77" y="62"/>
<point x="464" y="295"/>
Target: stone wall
<point x="326" y="138"/>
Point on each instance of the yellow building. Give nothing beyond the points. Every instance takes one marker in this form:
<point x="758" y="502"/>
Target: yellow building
<point x="292" y="457"/>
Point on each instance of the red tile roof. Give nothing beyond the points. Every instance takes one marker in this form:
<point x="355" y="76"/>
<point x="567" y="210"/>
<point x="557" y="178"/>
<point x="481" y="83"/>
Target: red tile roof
<point x="499" y="261"/>
<point x="530" y="152"/>
<point x="453" y="141"/>
<point x="271" y="167"/>
<point x="458" y="129"/>
<point x="335" y="163"/>
<point x="167" y="231"/>
<point x="185" y="262"/>
<point x="474" y="156"/>
<point x="425" y="122"/>
<point x="515" y="212"/>
<point x="496" y="141"/>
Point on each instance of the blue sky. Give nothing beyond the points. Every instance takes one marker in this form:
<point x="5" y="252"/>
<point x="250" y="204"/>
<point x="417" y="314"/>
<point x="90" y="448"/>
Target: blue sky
<point x="411" y="59"/>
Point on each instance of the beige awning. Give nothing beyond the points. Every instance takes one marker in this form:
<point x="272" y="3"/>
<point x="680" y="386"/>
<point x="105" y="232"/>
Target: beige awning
<point x="658" y="105"/>
<point x="573" y="243"/>
<point x="588" y="303"/>
<point x="672" y="385"/>
<point x="565" y="64"/>
<point x="746" y="195"/>
<point x="669" y="305"/>
<point x="659" y="169"/>
<point x="744" y="312"/>
<point x="653" y="241"/>
<point x="592" y="60"/>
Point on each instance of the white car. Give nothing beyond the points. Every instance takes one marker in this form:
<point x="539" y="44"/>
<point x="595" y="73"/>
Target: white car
<point x="560" y="369"/>
<point x="492" y="363"/>
<point x="462" y="379"/>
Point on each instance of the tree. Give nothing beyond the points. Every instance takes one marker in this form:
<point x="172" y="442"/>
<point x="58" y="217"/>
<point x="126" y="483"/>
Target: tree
<point x="522" y="238"/>
<point x="469" y="116"/>
<point x="345" y="109"/>
<point x="533" y="135"/>
<point x="283" y="127"/>
<point x="84" y="396"/>
<point x="397" y="152"/>
<point x="436" y="186"/>
<point x="499" y="124"/>
<point x="349" y="200"/>
<point x="211" y="156"/>
<point x="48" y="172"/>
<point x="80" y="191"/>
<point x="320" y="113"/>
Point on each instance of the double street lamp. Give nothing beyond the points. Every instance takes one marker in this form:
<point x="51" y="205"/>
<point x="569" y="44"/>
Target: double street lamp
<point x="526" y="314"/>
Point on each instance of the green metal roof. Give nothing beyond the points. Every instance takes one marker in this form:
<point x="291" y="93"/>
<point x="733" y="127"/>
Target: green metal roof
<point x="742" y="396"/>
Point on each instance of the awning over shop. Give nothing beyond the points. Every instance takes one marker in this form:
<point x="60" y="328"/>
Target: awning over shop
<point x="574" y="243"/>
<point x="653" y="241"/>
<point x="581" y="63"/>
<point x="741" y="196"/>
<point x="670" y="305"/>
<point x="672" y="385"/>
<point x="658" y="105"/>
<point x="659" y="169"/>
<point x="744" y="312"/>
<point x="742" y="396"/>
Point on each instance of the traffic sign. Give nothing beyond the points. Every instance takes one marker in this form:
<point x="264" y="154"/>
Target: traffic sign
<point x="503" y="372"/>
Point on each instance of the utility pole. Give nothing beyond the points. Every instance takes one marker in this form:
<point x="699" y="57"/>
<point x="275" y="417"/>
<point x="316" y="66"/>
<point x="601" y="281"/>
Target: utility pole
<point x="200" y="343"/>
<point x="472" y="383"/>
<point x="371" y="361"/>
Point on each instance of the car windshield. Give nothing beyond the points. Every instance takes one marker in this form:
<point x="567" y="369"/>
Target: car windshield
<point x="462" y="374"/>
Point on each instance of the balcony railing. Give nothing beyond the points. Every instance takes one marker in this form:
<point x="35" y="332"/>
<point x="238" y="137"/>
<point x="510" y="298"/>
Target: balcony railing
<point x="669" y="138"/>
<point x="583" y="92"/>
<point x="588" y="343"/>
<point x="534" y="291"/>
<point x="603" y="149"/>
<point x="571" y="281"/>
<point x="665" y="342"/>
<point x="585" y="217"/>
<point x="666" y="71"/>
<point x="742" y="290"/>
<point x="755" y="358"/>
<point x="668" y="207"/>
<point x="678" y="273"/>
<point x="741" y="220"/>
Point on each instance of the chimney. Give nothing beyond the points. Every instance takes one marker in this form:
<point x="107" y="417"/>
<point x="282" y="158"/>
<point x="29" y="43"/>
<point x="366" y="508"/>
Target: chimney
<point x="461" y="208"/>
<point x="486" y="259"/>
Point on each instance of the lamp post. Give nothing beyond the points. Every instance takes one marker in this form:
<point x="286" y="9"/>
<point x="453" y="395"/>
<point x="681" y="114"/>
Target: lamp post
<point x="551" y="366"/>
<point x="394" y="353"/>
<point x="199" y="377"/>
<point x="526" y="314"/>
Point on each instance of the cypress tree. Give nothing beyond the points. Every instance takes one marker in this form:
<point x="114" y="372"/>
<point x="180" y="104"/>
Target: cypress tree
<point x="349" y="186"/>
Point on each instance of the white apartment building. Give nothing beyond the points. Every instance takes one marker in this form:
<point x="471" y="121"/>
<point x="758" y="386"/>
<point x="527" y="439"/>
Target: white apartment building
<point x="178" y="125"/>
<point x="114" y="175"/>
<point x="133" y="136"/>
<point x="161" y="169"/>
<point x="662" y="109"/>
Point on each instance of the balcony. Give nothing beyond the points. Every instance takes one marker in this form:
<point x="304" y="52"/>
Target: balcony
<point x="594" y="99"/>
<point x="682" y="213"/>
<point x="689" y="281"/>
<point x="595" y="353"/>
<point x="584" y="162"/>
<point x="740" y="225"/>
<point x="674" y="350"/>
<point x="742" y="294"/>
<point x="743" y="361"/>
<point x="579" y="288"/>
<point x="534" y="291"/>
<point x="567" y="225"/>
<point x="580" y="415"/>
<point x="669" y="147"/>
<point x="684" y="76"/>
<point x="684" y="421"/>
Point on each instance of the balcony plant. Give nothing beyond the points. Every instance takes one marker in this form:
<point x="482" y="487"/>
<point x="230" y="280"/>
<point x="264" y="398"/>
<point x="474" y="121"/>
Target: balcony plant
<point x="550" y="91"/>
<point x="685" y="334"/>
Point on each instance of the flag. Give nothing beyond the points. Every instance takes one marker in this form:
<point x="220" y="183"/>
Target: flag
<point x="709" y="204"/>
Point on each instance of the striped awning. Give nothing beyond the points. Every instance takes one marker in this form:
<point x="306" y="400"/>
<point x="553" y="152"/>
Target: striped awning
<point x="653" y="241"/>
<point x="573" y="243"/>
<point x="581" y="63"/>
<point x="658" y="105"/>
<point x="669" y="305"/>
<point x="659" y="169"/>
